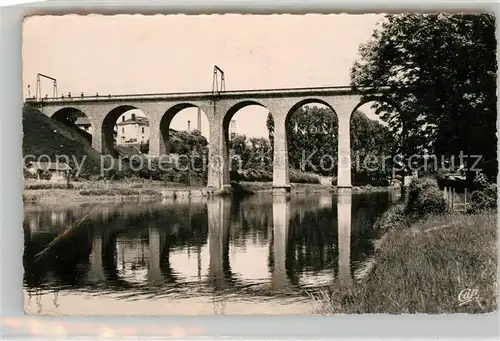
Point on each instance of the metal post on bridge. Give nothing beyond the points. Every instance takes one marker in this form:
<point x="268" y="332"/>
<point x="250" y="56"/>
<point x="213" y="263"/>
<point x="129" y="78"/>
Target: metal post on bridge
<point x="215" y="82"/>
<point x="39" y="88"/>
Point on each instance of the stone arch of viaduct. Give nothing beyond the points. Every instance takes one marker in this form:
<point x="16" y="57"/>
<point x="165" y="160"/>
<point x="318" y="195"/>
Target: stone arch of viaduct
<point x="103" y="113"/>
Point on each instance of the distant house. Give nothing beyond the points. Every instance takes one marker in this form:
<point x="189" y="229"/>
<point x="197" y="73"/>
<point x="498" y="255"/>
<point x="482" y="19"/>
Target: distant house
<point x="57" y="170"/>
<point x="83" y="123"/>
<point x="134" y="130"/>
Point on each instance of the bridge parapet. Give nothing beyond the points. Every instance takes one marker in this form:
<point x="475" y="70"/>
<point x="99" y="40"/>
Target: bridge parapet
<point x="207" y="95"/>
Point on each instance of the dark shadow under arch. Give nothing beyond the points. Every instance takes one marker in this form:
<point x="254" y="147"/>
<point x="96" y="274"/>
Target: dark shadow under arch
<point x="73" y="117"/>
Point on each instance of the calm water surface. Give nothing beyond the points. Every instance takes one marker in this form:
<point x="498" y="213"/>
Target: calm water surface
<point x="259" y="255"/>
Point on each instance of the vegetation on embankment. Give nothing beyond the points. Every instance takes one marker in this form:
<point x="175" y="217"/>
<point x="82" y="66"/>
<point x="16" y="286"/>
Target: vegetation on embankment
<point x="46" y="136"/>
<point x="112" y="192"/>
<point x="60" y="196"/>
<point x="256" y="186"/>
<point x="86" y="192"/>
<point x="427" y="256"/>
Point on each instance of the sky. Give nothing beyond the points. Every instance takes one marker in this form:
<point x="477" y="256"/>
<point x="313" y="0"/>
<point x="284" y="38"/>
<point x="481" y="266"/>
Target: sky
<point x="125" y="54"/>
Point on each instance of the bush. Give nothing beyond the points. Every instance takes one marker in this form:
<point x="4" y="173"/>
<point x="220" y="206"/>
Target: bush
<point x="30" y="198"/>
<point x="304" y="178"/>
<point x="49" y="186"/>
<point x="150" y="192"/>
<point x="45" y="175"/>
<point x="480" y="181"/>
<point x="29" y="175"/>
<point x="251" y="175"/>
<point x="393" y="218"/>
<point x="374" y="179"/>
<point x="424" y="198"/>
<point x="109" y="192"/>
<point x="484" y="199"/>
<point x="168" y="177"/>
<point x="181" y="177"/>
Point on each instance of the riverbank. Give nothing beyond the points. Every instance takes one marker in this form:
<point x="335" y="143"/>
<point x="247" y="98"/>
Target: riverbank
<point x="88" y="192"/>
<point x="429" y="267"/>
<point x="57" y="196"/>
<point x="308" y="188"/>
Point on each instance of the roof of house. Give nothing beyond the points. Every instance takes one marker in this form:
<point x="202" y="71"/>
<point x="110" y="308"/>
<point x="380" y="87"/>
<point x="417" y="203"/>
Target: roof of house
<point x="49" y="165"/>
<point x="138" y="120"/>
<point x="82" y="120"/>
<point x="128" y="150"/>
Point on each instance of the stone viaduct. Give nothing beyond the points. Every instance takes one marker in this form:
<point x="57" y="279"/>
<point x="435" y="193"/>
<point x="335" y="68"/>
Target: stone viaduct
<point x="103" y="112"/>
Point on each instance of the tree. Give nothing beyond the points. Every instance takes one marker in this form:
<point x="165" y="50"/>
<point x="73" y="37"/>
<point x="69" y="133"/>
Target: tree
<point x="312" y="140"/>
<point x="440" y="71"/>
<point x="144" y="147"/>
<point x="370" y="143"/>
<point x="261" y="154"/>
<point x="45" y="175"/>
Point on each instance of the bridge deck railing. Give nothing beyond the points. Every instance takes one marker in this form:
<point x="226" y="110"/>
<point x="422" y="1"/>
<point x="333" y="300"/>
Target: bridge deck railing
<point x="206" y="94"/>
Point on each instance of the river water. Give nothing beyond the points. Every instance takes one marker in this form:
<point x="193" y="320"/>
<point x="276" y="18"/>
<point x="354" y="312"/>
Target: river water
<point x="257" y="255"/>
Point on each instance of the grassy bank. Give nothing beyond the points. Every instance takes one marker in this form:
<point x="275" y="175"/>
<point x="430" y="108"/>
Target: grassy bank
<point x="134" y="189"/>
<point x="424" y="268"/>
<point x="58" y="196"/>
<point x="306" y="187"/>
<point x="426" y="256"/>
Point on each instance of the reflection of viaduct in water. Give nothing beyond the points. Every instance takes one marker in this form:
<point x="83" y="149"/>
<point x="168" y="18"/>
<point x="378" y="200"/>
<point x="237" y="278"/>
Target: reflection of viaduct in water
<point x="281" y="223"/>
<point x="104" y="263"/>
<point x="105" y="257"/>
<point x="219" y="270"/>
<point x="104" y="253"/>
<point x="160" y="231"/>
<point x="284" y="254"/>
<point x="96" y="271"/>
<point x="344" y="211"/>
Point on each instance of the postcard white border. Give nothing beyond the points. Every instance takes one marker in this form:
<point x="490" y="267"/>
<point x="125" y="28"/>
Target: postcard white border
<point x="238" y="327"/>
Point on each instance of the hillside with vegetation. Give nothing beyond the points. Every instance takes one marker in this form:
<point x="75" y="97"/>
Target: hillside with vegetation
<point x="45" y="136"/>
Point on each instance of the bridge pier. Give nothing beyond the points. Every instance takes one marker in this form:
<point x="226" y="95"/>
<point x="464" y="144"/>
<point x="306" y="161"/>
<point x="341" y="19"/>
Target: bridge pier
<point x="216" y="157"/>
<point x="344" y="152"/>
<point x="97" y="139"/>
<point x="281" y="177"/>
<point x="156" y="143"/>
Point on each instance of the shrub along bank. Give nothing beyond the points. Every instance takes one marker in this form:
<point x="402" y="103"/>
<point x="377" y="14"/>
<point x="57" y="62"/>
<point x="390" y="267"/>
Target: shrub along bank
<point x="424" y="198"/>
